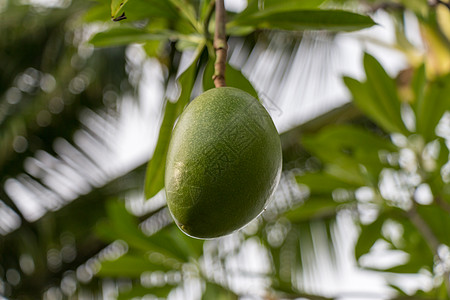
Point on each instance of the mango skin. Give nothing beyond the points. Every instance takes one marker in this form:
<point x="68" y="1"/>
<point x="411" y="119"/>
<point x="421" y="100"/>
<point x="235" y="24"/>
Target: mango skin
<point x="223" y="163"/>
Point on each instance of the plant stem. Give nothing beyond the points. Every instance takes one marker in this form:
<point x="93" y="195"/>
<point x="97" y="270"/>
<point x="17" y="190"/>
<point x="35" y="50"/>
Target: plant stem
<point x="220" y="45"/>
<point x="430" y="238"/>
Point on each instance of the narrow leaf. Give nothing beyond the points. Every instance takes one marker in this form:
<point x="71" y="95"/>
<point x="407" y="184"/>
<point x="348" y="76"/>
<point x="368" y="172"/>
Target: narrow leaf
<point x="131" y="266"/>
<point x="154" y="179"/>
<point x="418" y="84"/>
<point x="322" y="183"/>
<point x="314" y="208"/>
<point x="336" y="20"/>
<point x="126" y="35"/>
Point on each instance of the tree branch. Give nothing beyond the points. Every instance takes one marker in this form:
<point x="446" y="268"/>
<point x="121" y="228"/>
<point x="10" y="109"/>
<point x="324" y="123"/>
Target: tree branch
<point x="220" y="45"/>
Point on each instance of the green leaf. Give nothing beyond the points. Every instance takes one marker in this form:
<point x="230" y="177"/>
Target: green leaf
<point x="368" y="236"/>
<point x="117" y="7"/>
<point x="418" y="84"/>
<point x="233" y="77"/>
<point x="312" y="209"/>
<point x="344" y="149"/>
<point x="322" y="183"/>
<point x="218" y="292"/>
<point x="143" y="9"/>
<point x="122" y="225"/>
<point x="100" y="11"/>
<point x="187" y="12"/>
<point x="365" y="101"/>
<point x="131" y="266"/>
<point x="154" y="179"/>
<point x="431" y="109"/>
<point x="438" y="220"/>
<point x="298" y="20"/>
<point x="182" y="246"/>
<point x="126" y="35"/>
<point x="384" y="90"/>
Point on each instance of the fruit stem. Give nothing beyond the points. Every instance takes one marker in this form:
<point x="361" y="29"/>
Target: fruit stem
<point x="220" y="45"/>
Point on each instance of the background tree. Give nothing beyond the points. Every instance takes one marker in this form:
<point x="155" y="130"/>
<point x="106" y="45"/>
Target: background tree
<point x="66" y="230"/>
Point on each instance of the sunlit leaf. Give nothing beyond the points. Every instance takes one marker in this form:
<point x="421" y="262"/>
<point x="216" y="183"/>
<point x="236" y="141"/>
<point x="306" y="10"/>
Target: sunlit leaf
<point x="306" y="20"/>
<point x="117" y="7"/>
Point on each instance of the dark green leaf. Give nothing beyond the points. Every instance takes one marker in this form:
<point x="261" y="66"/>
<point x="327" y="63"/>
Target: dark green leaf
<point x="418" y="87"/>
<point x="154" y="179"/>
<point x="438" y="220"/>
<point x="313" y="208"/>
<point x="182" y="246"/>
<point x="215" y="291"/>
<point x="322" y="183"/>
<point x="122" y="225"/>
<point x="131" y="266"/>
<point x="368" y="236"/>
<point x="126" y="35"/>
<point x="298" y="20"/>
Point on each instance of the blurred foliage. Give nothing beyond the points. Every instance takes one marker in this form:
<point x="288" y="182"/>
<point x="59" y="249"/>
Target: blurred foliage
<point x="388" y="168"/>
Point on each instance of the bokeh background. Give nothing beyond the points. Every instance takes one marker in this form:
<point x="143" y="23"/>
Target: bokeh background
<point x="79" y="123"/>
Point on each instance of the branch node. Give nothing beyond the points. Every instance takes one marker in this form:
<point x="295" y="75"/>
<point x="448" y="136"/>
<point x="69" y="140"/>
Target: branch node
<point x="220" y="46"/>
